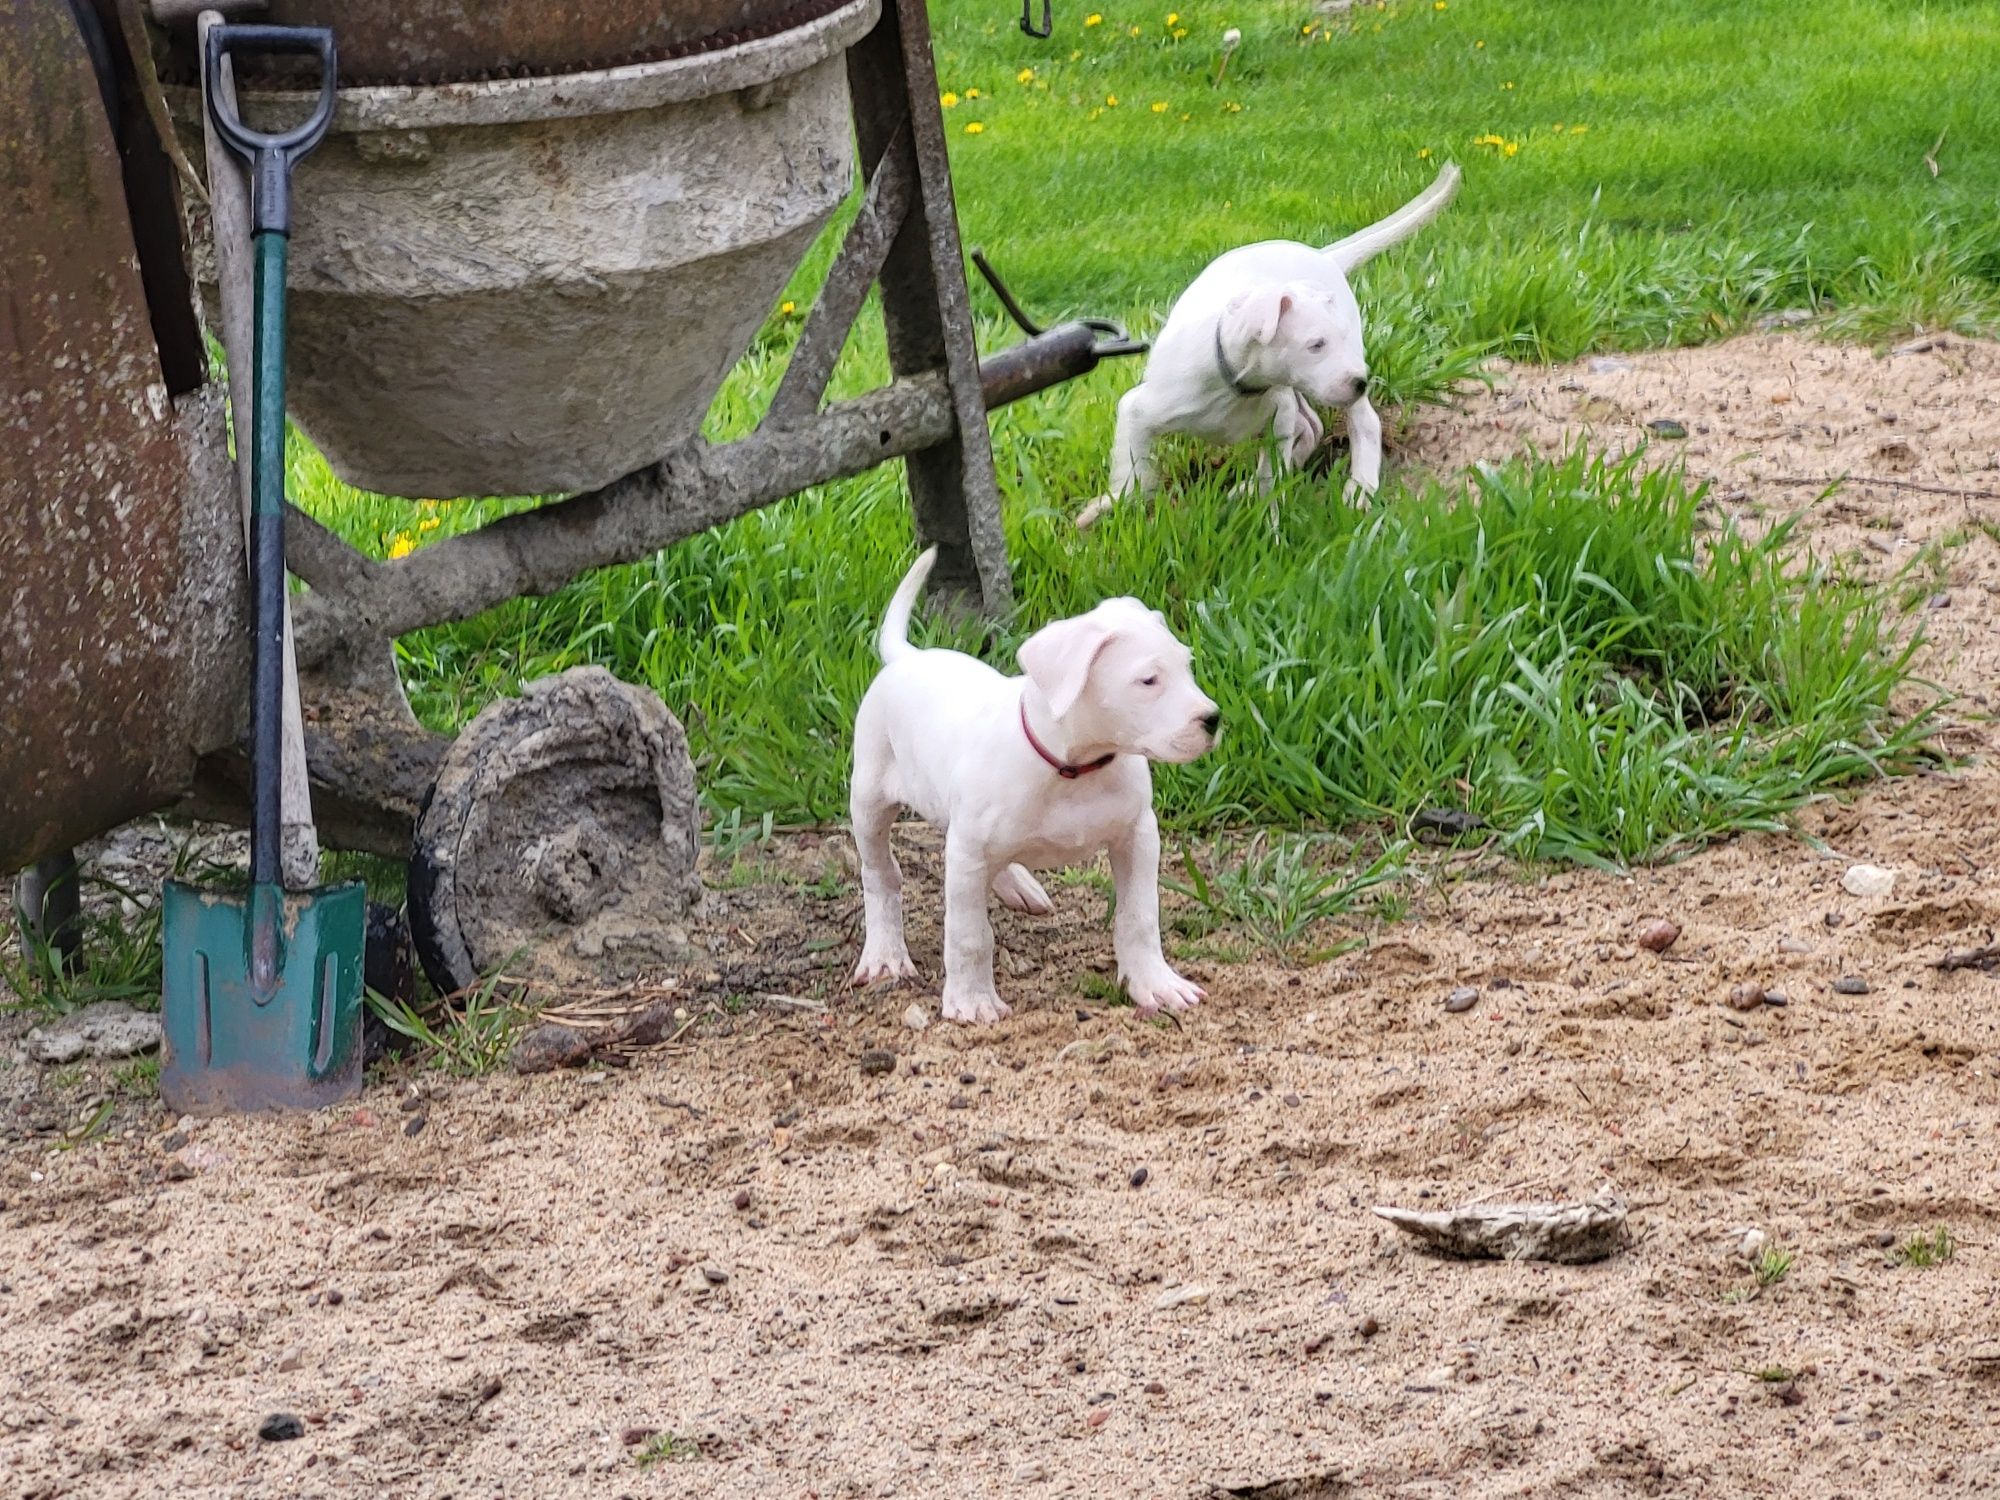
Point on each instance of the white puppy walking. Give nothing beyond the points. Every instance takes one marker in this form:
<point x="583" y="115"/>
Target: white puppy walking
<point x="1041" y="770"/>
<point x="1260" y="338"/>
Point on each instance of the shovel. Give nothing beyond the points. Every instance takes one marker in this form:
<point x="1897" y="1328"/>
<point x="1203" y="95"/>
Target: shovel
<point x="261" y="997"/>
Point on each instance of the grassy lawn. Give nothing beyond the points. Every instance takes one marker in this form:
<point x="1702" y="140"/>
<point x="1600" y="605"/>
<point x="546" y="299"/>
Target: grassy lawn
<point x="1565" y="654"/>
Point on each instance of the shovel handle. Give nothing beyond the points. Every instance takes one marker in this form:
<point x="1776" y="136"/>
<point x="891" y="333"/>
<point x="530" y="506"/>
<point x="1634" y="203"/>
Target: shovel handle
<point x="270" y="156"/>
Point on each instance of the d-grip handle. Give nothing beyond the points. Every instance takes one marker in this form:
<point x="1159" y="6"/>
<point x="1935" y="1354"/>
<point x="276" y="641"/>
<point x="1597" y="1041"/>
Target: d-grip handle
<point x="270" y="157"/>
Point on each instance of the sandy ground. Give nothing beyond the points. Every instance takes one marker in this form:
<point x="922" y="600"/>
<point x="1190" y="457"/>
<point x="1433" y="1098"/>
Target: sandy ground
<point x="815" y="1278"/>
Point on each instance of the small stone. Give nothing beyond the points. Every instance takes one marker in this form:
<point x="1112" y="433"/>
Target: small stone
<point x="877" y="1061"/>
<point x="714" y="1275"/>
<point x="958" y="1101"/>
<point x="415" y="1124"/>
<point x="741" y="1201"/>
<point x="1291" y="1101"/>
<point x="1776" y="997"/>
<point x="1461" y="1000"/>
<point x="1751" y="1245"/>
<point x="174" y="1142"/>
<point x="1368" y="1328"/>
<point x="1139" y="1177"/>
<point x="1180" y="1296"/>
<point x="550" y="1047"/>
<point x="916" y="1018"/>
<point x="1099" y="1417"/>
<point x="1939" y="601"/>
<point x="1154" y="1388"/>
<point x="281" y="1427"/>
<point x="1746" y="996"/>
<point x="1850" y="984"/>
<point x="177" y="1171"/>
<point x="632" y="1437"/>
<point x="1833" y="919"/>
<point x="1666" y="427"/>
<point x="1658" y="935"/>
<point x="1884" y="1238"/>
<point x="291" y="1359"/>
<point x="1868" y="881"/>
<point x="110" y="1028"/>
<point x="411" y="1104"/>
<point x="967" y="1079"/>
<point x="1792" y="946"/>
<point x="1032" y="1472"/>
<point x="335" y="1296"/>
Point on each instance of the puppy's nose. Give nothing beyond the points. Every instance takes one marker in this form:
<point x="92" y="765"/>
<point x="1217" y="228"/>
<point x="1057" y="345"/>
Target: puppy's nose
<point x="1212" y="722"/>
<point x="1360" y="385"/>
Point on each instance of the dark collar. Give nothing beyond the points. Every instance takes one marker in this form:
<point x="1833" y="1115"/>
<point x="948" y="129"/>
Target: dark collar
<point x="1235" y="380"/>
<point x="1067" y="772"/>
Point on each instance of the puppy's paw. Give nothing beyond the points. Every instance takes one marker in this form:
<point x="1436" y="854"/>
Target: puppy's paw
<point x="974" y="1006"/>
<point x="1094" y="512"/>
<point x="880" y="964"/>
<point x="1020" y="891"/>
<point x="1162" y="989"/>
<point x="1358" y="495"/>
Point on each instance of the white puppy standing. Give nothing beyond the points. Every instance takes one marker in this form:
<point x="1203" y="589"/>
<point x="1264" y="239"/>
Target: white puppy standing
<point x="1041" y="770"/>
<point x="1262" y="336"/>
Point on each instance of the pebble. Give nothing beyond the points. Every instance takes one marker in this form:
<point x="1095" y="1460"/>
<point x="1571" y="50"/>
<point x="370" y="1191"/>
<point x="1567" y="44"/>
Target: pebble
<point x="1884" y="1238"/>
<point x="291" y="1359"/>
<point x="1154" y="1388"/>
<point x="335" y="1296"/>
<point x="1666" y="427"/>
<point x="1658" y="935"/>
<point x="1792" y="945"/>
<point x="1180" y="1296"/>
<point x="632" y="1437"/>
<point x="1099" y="1417"/>
<point x="876" y="1061"/>
<point x="416" y="1123"/>
<point x="1368" y="1328"/>
<point x="178" y="1171"/>
<point x="174" y="1142"/>
<point x="1746" y="996"/>
<point x="1461" y="1000"/>
<point x="741" y="1201"/>
<point x="1034" y="1472"/>
<point x="109" y="1028"/>
<point x="1867" y="881"/>
<point x="916" y="1018"/>
<point x="1833" y="919"/>
<point x="1776" y="997"/>
<point x="1751" y="1245"/>
<point x="1850" y="984"/>
<point x="1139" y="1177"/>
<point x="281" y="1427"/>
<point x="714" y="1275"/>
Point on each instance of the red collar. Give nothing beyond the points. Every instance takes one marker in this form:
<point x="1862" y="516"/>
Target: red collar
<point x="1067" y="772"/>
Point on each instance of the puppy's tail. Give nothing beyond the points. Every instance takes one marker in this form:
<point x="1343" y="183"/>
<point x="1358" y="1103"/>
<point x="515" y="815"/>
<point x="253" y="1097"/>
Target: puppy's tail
<point x="893" y="639"/>
<point x="1400" y="225"/>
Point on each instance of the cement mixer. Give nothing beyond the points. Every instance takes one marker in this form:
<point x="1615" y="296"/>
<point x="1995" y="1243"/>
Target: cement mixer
<point x="535" y="241"/>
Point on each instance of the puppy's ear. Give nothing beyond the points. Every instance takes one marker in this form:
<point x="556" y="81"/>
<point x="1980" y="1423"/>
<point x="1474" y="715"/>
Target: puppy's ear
<point x="1058" y="658"/>
<point x="1259" y="313"/>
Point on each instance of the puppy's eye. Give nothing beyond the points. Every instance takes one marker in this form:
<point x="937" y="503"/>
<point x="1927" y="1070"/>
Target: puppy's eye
<point x="1315" y="346"/>
<point x="1153" y="681"/>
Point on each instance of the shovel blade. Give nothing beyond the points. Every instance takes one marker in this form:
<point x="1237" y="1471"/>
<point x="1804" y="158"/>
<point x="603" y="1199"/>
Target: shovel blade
<point x="234" y="1045"/>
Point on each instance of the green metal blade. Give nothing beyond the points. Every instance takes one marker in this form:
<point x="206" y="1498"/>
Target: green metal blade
<point x="231" y="1046"/>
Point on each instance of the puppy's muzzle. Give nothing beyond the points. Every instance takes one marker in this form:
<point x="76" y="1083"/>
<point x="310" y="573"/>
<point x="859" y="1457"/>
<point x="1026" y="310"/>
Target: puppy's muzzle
<point x="1212" y="722"/>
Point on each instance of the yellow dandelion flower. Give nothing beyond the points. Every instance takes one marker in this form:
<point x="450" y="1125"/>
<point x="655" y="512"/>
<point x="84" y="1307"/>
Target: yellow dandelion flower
<point x="1180" y="33"/>
<point x="1308" y="28"/>
<point x="1093" y="19"/>
<point x="1479" y="46"/>
<point x="1026" y="75"/>
<point x="974" y="93"/>
<point x="1132" y="31"/>
<point x="403" y="545"/>
<point x="786" y="309"/>
<point x="1511" y="148"/>
<point x="1186" y="118"/>
<point x="1110" y="101"/>
<point x="428" y="523"/>
<point x="1508" y="84"/>
<point x="948" y="100"/>
<point x="1578" y="129"/>
<point x="1095" y="113"/>
<point x="1233" y="107"/>
<point x="1557" y="127"/>
<point x="1424" y="154"/>
<point x="1439" y="5"/>
<point x="975" y="128"/>
<point x="1076" y="54"/>
<point x="1159" y="106"/>
<point x="1173" y="18"/>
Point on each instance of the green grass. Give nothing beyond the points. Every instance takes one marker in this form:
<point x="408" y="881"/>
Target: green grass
<point x="1926" y="1250"/>
<point x="1277" y="891"/>
<point x="1565" y="651"/>
<point x="1773" y="1266"/>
